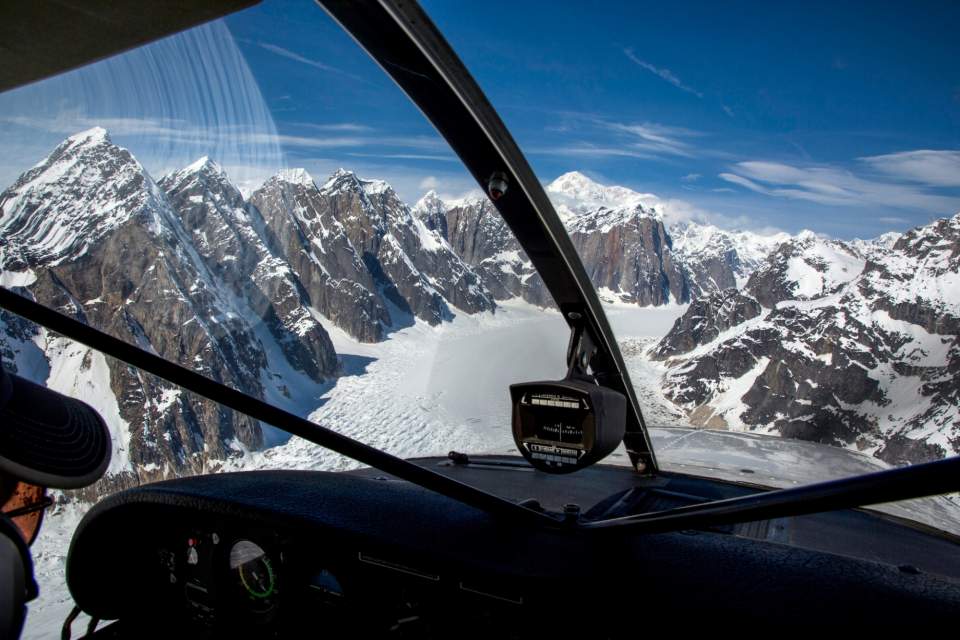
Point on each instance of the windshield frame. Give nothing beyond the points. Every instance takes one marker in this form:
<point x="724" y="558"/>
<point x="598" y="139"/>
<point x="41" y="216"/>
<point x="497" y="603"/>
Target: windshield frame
<point x="410" y="49"/>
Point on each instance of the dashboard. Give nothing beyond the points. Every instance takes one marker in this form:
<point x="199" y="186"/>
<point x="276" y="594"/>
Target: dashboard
<point x="278" y="554"/>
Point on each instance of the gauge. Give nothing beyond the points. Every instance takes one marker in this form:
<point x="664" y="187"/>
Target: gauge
<point x="566" y="425"/>
<point x="253" y="569"/>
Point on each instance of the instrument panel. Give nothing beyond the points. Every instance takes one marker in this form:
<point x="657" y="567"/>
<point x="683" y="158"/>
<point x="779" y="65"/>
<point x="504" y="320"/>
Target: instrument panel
<point x="222" y="578"/>
<point x="295" y="554"/>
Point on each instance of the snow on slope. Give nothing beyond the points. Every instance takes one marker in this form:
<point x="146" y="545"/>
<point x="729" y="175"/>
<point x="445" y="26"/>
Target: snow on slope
<point x="80" y="372"/>
<point x="693" y="242"/>
<point x="52" y="213"/>
<point x="820" y="267"/>
<point x="575" y="194"/>
<point x="923" y="268"/>
<point x="856" y="346"/>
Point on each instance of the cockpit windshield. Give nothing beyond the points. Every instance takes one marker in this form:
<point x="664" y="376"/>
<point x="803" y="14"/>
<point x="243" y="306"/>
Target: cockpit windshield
<point x="772" y="228"/>
<point x="772" y="231"/>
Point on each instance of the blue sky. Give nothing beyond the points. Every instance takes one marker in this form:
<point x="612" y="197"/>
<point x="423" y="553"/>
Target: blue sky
<point x="839" y="117"/>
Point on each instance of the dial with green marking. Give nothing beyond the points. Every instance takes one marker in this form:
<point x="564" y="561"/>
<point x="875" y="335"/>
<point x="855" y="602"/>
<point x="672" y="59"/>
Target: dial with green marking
<point x="253" y="568"/>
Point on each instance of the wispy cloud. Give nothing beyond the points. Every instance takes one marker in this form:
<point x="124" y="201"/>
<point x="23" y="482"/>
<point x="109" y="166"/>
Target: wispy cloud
<point x="935" y="168"/>
<point x="405" y="156"/>
<point x="604" y="138"/>
<point x="71" y="122"/>
<point x="420" y="143"/>
<point x="661" y="72"/>
<point x="316" y="64"/>
<point x="589" y="150"/>
<point x="657" y="138"/>
<point x="189" y="134"/>
<point x="351" y="127"/>
<point x="835" y="186"/>
<point x="691" y="177"/>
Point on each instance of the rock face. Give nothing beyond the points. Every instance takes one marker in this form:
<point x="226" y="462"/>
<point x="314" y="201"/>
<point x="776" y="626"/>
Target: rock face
<point x="704" y="321"/>
<point x="832" y="342"/>
<point x="304" y="230"/>
<point x="622" y="240"/>
<point x="360" y="251"/>
<point x="239" y="250"/>
<point x="628" y="253"/>
<point x="620" y="235"/>
<point x="477" y="233"/>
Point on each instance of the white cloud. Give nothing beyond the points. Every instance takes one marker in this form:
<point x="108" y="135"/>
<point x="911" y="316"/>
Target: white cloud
<point x="352" y="127"/>
<point x="663" y="73"/>
<point x="430" y="182"/>
<point x="657" y="138"/>
<point x="834" y="186"/>
<point x="405" y="156"/>
<point x="646" y="140"/>
<point x="935" y="168"/>
<point x="588" y="150"/>
<point x="292" y="55"/>
<point x="691" y="177"/>
<point x="69" y="122"/>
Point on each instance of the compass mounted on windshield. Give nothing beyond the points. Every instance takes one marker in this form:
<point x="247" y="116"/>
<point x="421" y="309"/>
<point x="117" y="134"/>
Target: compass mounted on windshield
<point x="565" y="425"/>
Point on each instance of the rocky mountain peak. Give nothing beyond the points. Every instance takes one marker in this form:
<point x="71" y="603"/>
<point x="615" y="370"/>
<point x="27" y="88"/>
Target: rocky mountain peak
<point x="805" y="267"/>
<point x="342" y="181"/>
<point x="432" y="211"/>
<point x="91" y="137"/>
<point x="429" y="203"/>
<point x="203" y="170"/>
<point x="204" y="165"/>
<point x="298" y="176"/>
<point x="83" y="190"/>
<point x="603" y="218"/>
<point x="942" y="236"/>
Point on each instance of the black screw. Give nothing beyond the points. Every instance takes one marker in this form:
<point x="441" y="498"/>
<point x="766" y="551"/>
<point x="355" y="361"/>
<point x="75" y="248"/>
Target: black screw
<point x="571" y="512"/>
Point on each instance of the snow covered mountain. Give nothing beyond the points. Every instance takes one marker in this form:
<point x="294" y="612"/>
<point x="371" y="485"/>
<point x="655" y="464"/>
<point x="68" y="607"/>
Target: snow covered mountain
<point x="235" y="245"/>
<point x="236" y="290"/>
<point x="88" y="232"/>
<point x="853" y="343"/>
<point x="835" y="342"/>
<point x="716" y="259"/>
<point x="368" y="263"/>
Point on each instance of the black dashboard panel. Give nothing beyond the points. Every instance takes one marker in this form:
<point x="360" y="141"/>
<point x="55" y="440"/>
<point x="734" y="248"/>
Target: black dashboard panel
<point x="362" y="554"/>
